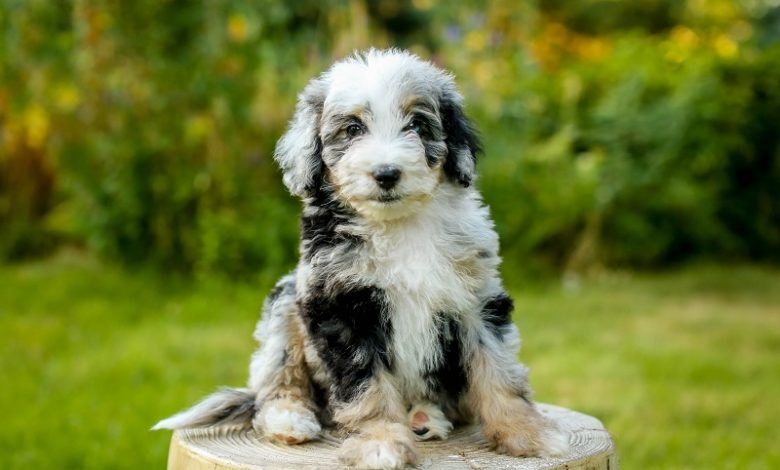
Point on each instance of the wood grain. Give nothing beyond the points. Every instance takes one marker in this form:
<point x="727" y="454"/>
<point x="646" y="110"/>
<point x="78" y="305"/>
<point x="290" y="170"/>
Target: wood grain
<point x="466" y="449"/>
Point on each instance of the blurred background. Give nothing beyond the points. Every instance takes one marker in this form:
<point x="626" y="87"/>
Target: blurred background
<point x="632" y="167"/>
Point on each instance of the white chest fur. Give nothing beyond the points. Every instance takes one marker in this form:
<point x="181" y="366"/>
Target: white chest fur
<point x="431" y="266"/>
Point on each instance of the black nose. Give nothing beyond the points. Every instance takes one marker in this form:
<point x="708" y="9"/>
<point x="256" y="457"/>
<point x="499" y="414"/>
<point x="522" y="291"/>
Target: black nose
<point x="386" y="176"/>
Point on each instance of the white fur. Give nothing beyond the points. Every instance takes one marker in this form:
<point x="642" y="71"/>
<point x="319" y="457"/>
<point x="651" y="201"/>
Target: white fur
<point x="439" y="427"/>
<point x="556" y="442"/>
<point x="378" y="454"/>
<point x="271" y="332"/>
<point x="415" y="262"/>
<point x="373" y="454"/>
<point x="235" y="405"/>
<point x="356" y="185"/>
<point x="376" y="88"/>
<point x="414" y="245"/>
<point x="427" y="244"/>
<point x="299" y="425"/>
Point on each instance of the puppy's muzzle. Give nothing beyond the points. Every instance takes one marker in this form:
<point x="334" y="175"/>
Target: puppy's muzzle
<point x="386" y="176"/>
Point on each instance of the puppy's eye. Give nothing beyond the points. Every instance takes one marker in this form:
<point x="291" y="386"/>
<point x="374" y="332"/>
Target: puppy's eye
<point x="354" y="130"/>
<point x="416" y="125"/>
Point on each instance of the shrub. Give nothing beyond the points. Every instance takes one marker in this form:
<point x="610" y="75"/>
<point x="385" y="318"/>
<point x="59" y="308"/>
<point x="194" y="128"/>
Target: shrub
<point x="145" y="130"/>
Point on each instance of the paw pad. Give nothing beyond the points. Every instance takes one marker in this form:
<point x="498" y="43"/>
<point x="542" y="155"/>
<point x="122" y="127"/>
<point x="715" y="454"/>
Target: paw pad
<point x="427" y="421"/>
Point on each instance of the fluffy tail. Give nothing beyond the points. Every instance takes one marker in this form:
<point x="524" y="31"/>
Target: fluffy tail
<point x="228" y="406"/>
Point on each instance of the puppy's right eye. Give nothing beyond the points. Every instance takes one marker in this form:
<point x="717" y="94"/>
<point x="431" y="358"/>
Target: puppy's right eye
<point x="354" y="130"/>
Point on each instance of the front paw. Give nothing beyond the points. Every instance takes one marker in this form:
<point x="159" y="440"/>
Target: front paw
<point x="555" y="442"/>
<point x="529" y="440"/>
<point x="385" y="448"/>
<point x="287" y="421"/>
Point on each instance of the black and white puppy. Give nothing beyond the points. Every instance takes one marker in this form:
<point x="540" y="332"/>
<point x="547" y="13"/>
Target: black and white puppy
<point x="394" y="325"/>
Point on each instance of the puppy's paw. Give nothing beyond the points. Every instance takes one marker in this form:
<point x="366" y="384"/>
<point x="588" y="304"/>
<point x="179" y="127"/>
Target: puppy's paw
<point x="516" y="445"/>
<point x="555" y="442"/>
<point x="427" y="421"/>
<point x="378" y="450"/>
<point x="529" y="441"/>
<point x="287" y="421"/>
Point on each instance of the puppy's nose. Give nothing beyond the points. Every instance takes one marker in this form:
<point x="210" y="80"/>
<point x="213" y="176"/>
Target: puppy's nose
<point x="386" y="176"/>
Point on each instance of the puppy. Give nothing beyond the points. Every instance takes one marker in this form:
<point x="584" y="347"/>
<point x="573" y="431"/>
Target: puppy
<point x="394" y="325"/>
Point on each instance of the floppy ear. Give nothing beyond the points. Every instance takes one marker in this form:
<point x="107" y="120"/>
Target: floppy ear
<point x="462" y="139"/>
<point x="299" y="150"/>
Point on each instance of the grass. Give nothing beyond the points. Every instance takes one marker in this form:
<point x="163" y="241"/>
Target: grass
<point x="682" y="367"/>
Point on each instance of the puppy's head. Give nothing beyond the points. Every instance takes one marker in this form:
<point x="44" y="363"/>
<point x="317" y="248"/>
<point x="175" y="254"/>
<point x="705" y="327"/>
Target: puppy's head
<point x="382" y="130"/>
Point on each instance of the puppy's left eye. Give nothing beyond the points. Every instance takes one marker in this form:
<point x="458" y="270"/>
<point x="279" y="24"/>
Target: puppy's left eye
<point x="354" y="130"/>
<point x="415" y="125"/>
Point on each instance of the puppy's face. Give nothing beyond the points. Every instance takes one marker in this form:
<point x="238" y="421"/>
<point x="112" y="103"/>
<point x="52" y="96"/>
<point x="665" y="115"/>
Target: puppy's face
<point x="383" y="130"/>
<point x="382" y="137"/>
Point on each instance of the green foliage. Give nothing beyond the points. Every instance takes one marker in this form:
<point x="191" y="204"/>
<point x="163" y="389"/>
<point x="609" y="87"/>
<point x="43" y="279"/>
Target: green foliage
<point x="639" y="152"/>
<point x="620" y="133"/>
<point x="600" y="16"/>
<point x="750" y="194"/>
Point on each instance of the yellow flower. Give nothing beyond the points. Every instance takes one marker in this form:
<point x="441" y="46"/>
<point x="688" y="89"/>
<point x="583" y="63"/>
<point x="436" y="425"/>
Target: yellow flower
<point x="237" y="28"/>
<point x="196" y="128"/>
<point x="422" y="4"/>
<point x="482" y="73"/>
<point x="66" y="97"/>
<point x="725" y="46"/>
<point x="476" y="40"/>
<point x="36" y="124"/>
<point x="684" y="37"/>
<point x="681" y="45"/>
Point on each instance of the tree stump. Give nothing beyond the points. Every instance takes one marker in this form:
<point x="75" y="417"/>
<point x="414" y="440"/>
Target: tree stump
<point x="222" y="449"/>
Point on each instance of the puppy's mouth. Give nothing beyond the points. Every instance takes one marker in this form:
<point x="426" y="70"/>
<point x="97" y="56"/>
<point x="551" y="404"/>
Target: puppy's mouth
<point x="388" y="198"/>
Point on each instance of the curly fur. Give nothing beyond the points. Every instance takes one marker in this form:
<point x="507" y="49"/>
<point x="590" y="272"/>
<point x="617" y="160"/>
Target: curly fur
<point x="396" y="303"/>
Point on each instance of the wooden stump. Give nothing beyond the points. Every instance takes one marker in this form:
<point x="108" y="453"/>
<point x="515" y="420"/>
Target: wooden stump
<point x="213" y="449"/>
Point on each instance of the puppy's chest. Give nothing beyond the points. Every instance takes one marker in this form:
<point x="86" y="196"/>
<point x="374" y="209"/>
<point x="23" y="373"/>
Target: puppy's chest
<point x="426" y="286"/>
<point x="423" y="270"/>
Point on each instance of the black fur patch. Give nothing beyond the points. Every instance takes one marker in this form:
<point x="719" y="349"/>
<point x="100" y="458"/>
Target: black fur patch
<point x="351" y="333"/>
<point x="435" y="151"/>
<point x="319" y="228"/>
<point x="461" y="135"/>
<point x="431" y="159"/>
<point x="448" y="380"/>
<point x="320" y="398"/>
<point x="497" y="313"/>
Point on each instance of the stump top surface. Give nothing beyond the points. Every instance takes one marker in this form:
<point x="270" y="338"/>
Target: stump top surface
<point x="591" y="448"/>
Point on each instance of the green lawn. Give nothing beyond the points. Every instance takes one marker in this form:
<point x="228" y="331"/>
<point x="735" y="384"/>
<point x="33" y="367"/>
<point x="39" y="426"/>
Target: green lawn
<point x="682" y="367"/>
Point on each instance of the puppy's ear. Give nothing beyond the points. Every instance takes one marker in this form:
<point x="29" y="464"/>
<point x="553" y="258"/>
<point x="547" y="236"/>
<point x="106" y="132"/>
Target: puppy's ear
<point x="299" y="150"/>
<point x="462" y="139"/>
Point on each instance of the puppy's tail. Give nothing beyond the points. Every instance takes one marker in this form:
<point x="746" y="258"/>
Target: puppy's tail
<point x="228" y="406"/>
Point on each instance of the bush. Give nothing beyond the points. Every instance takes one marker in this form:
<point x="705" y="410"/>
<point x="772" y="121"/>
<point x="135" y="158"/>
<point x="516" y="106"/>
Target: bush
<point x="145" y="130"/>
<point x="629" y="151"/>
